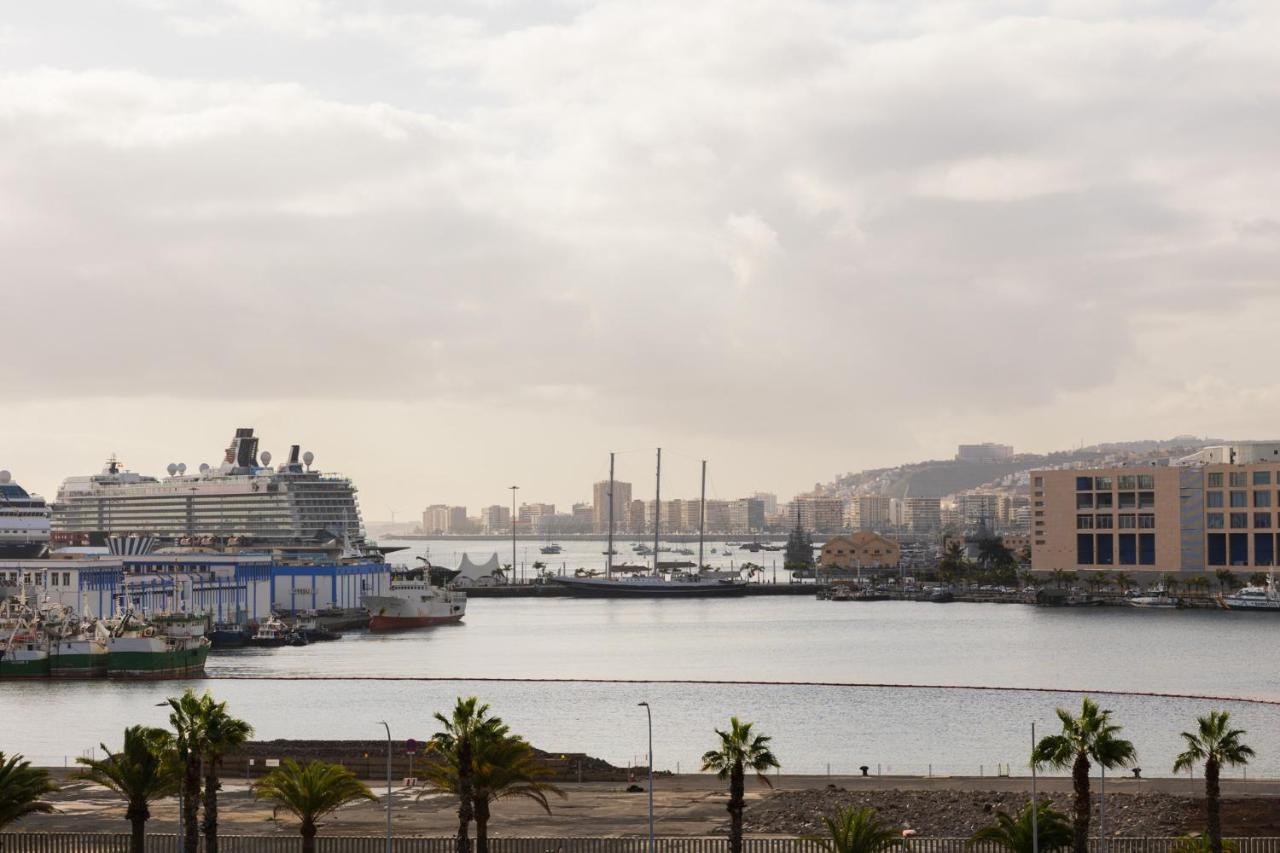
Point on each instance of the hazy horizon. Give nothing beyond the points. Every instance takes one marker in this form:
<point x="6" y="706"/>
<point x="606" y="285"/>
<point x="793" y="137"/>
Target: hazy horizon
<point x="456" y="249"/>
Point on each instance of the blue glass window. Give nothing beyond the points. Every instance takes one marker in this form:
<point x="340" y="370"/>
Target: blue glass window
<point x="1264" y="549"/>
<point x="1217" y="549"/>
<point x="1128" y="549"/>
<point x="1146" y="549"/>
<point x="1084" y="484"/>
<point x="1213" y="499"/>
<point x="1239" y="549"/>
<point x="1104" y="551"/>
<point x="1084" y="549"/>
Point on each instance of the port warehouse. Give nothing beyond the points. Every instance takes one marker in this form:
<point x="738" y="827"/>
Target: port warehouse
<point x="227" y="586"/>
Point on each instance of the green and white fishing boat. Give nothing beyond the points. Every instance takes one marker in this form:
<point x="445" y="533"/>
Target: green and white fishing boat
<point x="24" y="648"/>
<point x="172" y="646"/>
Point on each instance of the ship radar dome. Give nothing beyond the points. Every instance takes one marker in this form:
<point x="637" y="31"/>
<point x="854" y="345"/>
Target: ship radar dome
<point x="266" y="457"/>
<point x="308" y="458"/>
<point x="172" y="469"/>
<point x="204" y="467"/>
<point x="5" y="476"/>
<point x="182" y="467"/>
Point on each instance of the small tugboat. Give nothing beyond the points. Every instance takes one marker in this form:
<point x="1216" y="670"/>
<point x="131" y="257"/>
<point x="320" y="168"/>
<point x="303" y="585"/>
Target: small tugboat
<point x="417" y="598"/>
<point x="273" y="633"/>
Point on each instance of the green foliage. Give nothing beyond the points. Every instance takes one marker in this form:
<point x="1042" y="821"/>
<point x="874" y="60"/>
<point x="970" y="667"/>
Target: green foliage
<point x="21" y="789"/>
<point x="740" y="748"/>
<point x="852" y="830"/>
<point x="1014" y="833"/>
<point x="1092" y="734"/>
<point x="311" y="792"/>
<point x="1214" y="740"/>
<point x="144" y="770"/>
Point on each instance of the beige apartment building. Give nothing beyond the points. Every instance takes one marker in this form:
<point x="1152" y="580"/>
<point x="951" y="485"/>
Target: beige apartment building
<point x="1198" y="515"/>
<point x="621" y="505"/>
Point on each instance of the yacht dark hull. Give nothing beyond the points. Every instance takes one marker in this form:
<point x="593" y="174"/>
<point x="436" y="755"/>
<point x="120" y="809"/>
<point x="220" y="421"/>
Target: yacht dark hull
<point x="647" y="588"/>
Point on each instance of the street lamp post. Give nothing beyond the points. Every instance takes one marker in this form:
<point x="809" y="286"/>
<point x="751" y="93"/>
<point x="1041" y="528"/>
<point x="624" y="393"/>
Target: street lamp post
<point x="1035" y="829"/>
<point x="513" y="532"/>
<point x="649" y="713"/>
<point x="388" y="728"/>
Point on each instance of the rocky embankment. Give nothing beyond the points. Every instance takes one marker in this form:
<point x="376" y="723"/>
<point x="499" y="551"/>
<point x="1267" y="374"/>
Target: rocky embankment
<point x="954" y="813"/>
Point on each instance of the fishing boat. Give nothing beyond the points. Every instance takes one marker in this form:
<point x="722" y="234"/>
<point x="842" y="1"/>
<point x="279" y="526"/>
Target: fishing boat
<point x="1255" y="597"/>
<point x="308" y="625"/>
<point x="138" y="648"/>
<point x="77" y="646"/>
<point x="417" y="598"/>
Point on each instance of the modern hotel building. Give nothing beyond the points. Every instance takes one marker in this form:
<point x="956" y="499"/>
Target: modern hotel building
<point x="1214" y="509"/>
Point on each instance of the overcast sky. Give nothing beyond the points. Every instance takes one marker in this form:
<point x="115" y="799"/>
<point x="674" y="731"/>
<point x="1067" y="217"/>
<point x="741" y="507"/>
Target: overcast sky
<point x="451" y="246"/>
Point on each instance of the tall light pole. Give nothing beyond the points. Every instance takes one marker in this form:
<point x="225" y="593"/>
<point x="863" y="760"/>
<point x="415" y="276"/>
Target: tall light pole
<point x="514" y="489"/>
<point x="649" y="713"/>
<point x="388" y="728"/>
<point x="1035" y="830"/>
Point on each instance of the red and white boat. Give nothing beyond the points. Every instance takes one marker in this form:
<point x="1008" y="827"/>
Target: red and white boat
<point x="416" y="599"/>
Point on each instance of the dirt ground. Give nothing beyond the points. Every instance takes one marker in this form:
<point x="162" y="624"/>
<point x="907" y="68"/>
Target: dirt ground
<point x="683" y="805"/>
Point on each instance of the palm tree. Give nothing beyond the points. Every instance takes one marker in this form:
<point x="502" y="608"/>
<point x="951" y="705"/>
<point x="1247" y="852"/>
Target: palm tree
<point x="309" y="793"/>
<point x="1123" y="581"/>
<point x="1226" y="579"/>
<point x="143" y="771"/>
<point x="21" y="787"/>
<point x="502" y="767"/>
<point x="1216" y="744"/>
<point x="853" y="830"/>
<point x="222" y="734"/>
<point x="468" y="724"/>
<point x="188" y="720"/>
<point x="1170" y="582"/>
<point x="1092" y="735"/>
<point x="1015" y="833"/>
<point x="1059" y="578"/>
<point x="739" y="749"/>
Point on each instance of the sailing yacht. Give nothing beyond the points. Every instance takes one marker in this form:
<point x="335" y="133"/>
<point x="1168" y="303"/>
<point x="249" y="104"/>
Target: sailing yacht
<point x="655" y="584"/>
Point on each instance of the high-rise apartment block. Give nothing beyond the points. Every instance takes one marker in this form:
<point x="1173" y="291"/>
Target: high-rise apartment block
<point x="922" y="515"/>
<point x="441" y="518"/>
<point x="621" y="505"/>
<point x="494" y="519"/>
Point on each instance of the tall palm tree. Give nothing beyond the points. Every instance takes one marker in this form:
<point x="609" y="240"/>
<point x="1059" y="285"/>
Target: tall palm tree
<point x="222" y="734"/>
<point x="21" y="789"/>
<point x="854" y="830"/>
<point x="1123" y="581"/>
<point x="1090" y="736"/>
<point x="309" y="793"/>
<point x="739" y="750"/>
<point x="470" y="722"/>
<point x="143" y="771"/>
<point x="1015" y="833"/>
<point x="1217" y="745"/>
<point x="502" y="767"/>
<point x="187" y="716"/>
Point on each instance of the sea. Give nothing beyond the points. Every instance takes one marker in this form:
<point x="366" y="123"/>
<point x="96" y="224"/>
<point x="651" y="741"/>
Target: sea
<point x="902" y="688"/>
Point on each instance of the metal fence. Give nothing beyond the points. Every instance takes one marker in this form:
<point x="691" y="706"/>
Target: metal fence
<point x="78" y="842"/>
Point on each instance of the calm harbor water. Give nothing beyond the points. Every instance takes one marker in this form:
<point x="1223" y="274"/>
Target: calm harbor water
<point x="897" y="729"/>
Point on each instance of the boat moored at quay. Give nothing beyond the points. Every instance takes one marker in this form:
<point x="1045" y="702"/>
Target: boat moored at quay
<point x="417" y="598"/>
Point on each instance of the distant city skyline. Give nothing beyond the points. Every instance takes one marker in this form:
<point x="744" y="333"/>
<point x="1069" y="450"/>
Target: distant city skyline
<point x="457" y="248"/>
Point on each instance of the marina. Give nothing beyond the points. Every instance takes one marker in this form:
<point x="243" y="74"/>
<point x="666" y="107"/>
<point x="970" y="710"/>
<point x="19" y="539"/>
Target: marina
<point x="553" y="666"/>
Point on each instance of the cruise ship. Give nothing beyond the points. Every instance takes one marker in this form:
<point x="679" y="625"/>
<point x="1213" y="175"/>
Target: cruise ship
<point x="243" y="503"/>
<point x="24" y="521"/>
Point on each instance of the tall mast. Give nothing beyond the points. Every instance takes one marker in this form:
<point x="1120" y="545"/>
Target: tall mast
<point x="608" y="552"/>
<point x="657" y="511"/>
<point x="702" y="515"/>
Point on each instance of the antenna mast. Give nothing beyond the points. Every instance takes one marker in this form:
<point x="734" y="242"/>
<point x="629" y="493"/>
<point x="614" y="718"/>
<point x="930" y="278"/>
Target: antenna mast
<point x="657" y="512"/>
<point x="608" y="552"/>
<point x="702" y="516"/>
